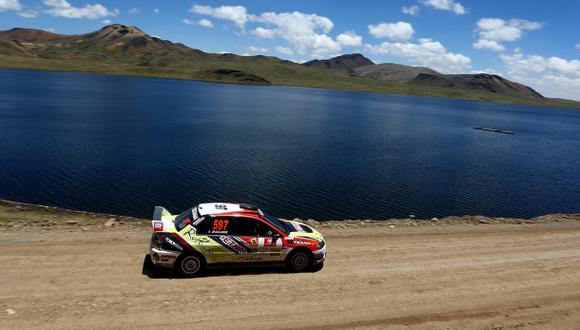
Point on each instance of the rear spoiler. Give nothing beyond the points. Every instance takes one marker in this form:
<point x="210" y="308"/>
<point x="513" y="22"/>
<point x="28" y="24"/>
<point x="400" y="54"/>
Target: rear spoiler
<point x="160" y="212"/>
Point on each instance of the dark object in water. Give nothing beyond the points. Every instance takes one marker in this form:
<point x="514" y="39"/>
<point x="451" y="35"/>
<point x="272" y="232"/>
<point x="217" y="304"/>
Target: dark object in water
<point x="488" y="129"/>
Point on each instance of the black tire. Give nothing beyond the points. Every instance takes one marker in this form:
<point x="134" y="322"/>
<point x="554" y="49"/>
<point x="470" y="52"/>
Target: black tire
<point x="317" y="267"/>
<point x="149" y="267"/>
<point x="299" y="261"/>
<point x="190" y="265"/>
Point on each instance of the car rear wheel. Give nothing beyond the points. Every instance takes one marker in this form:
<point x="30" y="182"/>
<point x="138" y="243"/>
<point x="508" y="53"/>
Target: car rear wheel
<point x="190" y="265"/>
<point x="299" y="261"/>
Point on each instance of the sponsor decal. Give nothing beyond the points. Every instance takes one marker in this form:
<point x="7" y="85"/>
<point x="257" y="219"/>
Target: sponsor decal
<point x="233" y="245"/>
<point x="171" y="242"/>
<point x="250" y="259"/>
<point x="300" y="242"/>
<point x="221" y="206"/>
<point x="191" y="232"/>
<point x="197" y="221"/>
<point x="254" y="241"/>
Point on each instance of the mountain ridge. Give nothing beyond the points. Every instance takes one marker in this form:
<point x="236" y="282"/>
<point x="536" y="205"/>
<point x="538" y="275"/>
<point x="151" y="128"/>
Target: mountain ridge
<point x="125" y="49"/>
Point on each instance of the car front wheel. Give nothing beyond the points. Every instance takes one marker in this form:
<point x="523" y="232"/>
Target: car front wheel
<point x="299" y="261"/>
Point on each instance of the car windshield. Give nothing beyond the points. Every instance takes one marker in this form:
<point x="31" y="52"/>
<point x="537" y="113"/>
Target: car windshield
<point x="281" y="225"/>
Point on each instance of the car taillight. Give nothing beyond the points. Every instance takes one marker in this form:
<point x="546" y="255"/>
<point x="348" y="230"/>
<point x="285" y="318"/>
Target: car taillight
<point x="157" y="226"/>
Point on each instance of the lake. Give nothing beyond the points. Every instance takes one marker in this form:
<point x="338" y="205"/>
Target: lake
<point x="122" y="145"/>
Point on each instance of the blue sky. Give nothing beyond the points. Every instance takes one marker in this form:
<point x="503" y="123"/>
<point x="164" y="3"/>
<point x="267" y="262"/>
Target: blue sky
<point x="533" y="42"/>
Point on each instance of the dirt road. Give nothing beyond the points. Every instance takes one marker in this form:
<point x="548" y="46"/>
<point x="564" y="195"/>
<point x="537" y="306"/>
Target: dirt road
<point x="457" y="276"/>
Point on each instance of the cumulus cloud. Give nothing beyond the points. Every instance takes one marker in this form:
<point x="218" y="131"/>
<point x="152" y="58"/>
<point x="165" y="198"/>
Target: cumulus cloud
<point x="349" y="39"/>
<point x="156" y="11"/>
<point x="411" y="10"/>
<point x="187" y="21"/>
<point x="6" y="5"/>
<point x="284" y="50"/>
<point x="237" y="14"/>
<point x="134" y="11"/>
<point x="28" y="14"/>
<point x="205" y="23"/>
<point x="255" y="49"/>
<point x="577" y="46"/>
<point x="61" y="8"/>
<point x="260" y="32"/>
<point x="489" y="45"/>
<point x="448" y="5"/>
<point x="551" y="76"/>
<point x="426" y="52"/>
<point x="400" y="31"/>
<point x="107" y="22"/>
<point x="493" y="31"/>
<point x="306" y="33"/>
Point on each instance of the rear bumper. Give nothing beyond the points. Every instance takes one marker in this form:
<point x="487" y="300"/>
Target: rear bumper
<point x="163" y="258"/>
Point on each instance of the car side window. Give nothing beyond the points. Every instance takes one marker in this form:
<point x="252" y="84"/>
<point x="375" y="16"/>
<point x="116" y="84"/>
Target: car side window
<point x="252" y="227"/>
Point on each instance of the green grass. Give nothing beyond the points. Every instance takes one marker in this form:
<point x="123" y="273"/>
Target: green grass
<point x="182" y="65"/>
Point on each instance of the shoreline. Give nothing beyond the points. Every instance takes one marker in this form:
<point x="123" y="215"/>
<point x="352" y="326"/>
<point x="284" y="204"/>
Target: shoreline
<point x="20" y="214"/>
<point x="559" y="104"/>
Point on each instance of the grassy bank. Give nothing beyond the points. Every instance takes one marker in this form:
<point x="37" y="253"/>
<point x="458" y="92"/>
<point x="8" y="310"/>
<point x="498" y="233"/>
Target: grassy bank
<point x="280" y="74"/>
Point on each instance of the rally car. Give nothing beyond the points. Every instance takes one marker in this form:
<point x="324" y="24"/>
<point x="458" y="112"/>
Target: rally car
<point x="218" y="234"/>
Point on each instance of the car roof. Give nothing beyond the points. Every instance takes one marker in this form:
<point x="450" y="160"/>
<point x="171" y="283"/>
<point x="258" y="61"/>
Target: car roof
<point x="221" y="208"/>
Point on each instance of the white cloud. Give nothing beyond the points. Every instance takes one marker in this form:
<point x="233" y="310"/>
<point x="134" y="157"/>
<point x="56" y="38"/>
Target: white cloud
<point x="61" y="8"/>
<point x="400" y="31"/>
<point x="426" y="52"/>
<point x="236" y="14"/>
<point x="156" y="11"/>
<point x="493" y="31"/>
<point x="107" y="22"/>
<point x="6" y="5"/>
<point x="551" y="76"/>
<point x="254" y="49"/>
<point x="284" y="50"/>
<point x="187" y="21"/>
<point x="577" y="46"/>
<point x="448" y="5"/>
<point x="501" y="30"/>
<point x="28" y="14"/>
<point x="411" y="10"/>
<point x="489" y="45"/>
<point x="205" y="23"/>
<point x="349" y="39"/>
<point x="134" y="11"/>
<point x="260" y="32"/>
<point x="306" y="33"/>
<point x="53" y="30"/>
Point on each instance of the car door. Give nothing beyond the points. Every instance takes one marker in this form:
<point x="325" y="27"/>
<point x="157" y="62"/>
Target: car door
<point x="261" y="238"/>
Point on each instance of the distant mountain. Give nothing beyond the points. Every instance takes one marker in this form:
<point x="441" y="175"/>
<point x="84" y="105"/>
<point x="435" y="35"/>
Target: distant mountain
<point x="480" y="81"/>
<point x="123" y="49"/>
<point x="392" y="72"/>
<point x="346" y="63"/>
<point x="426" y="77"/>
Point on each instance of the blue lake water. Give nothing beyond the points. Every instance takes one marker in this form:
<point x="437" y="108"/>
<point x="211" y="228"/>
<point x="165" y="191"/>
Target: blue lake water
<point x="125" y="144"/>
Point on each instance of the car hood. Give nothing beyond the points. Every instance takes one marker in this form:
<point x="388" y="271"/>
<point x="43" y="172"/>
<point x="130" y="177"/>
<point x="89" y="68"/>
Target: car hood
<point x="303" y="230"/>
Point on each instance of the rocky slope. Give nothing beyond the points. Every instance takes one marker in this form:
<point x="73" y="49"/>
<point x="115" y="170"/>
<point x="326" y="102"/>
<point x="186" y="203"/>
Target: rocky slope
<point x="347" y="63"/>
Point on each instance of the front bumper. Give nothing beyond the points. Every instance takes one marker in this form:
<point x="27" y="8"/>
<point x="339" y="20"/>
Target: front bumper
<point x="319" y="255"/>
<point x="163" y="258"/>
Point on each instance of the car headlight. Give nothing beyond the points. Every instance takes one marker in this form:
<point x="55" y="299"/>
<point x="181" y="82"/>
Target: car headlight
<point x="320" y="245"/>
